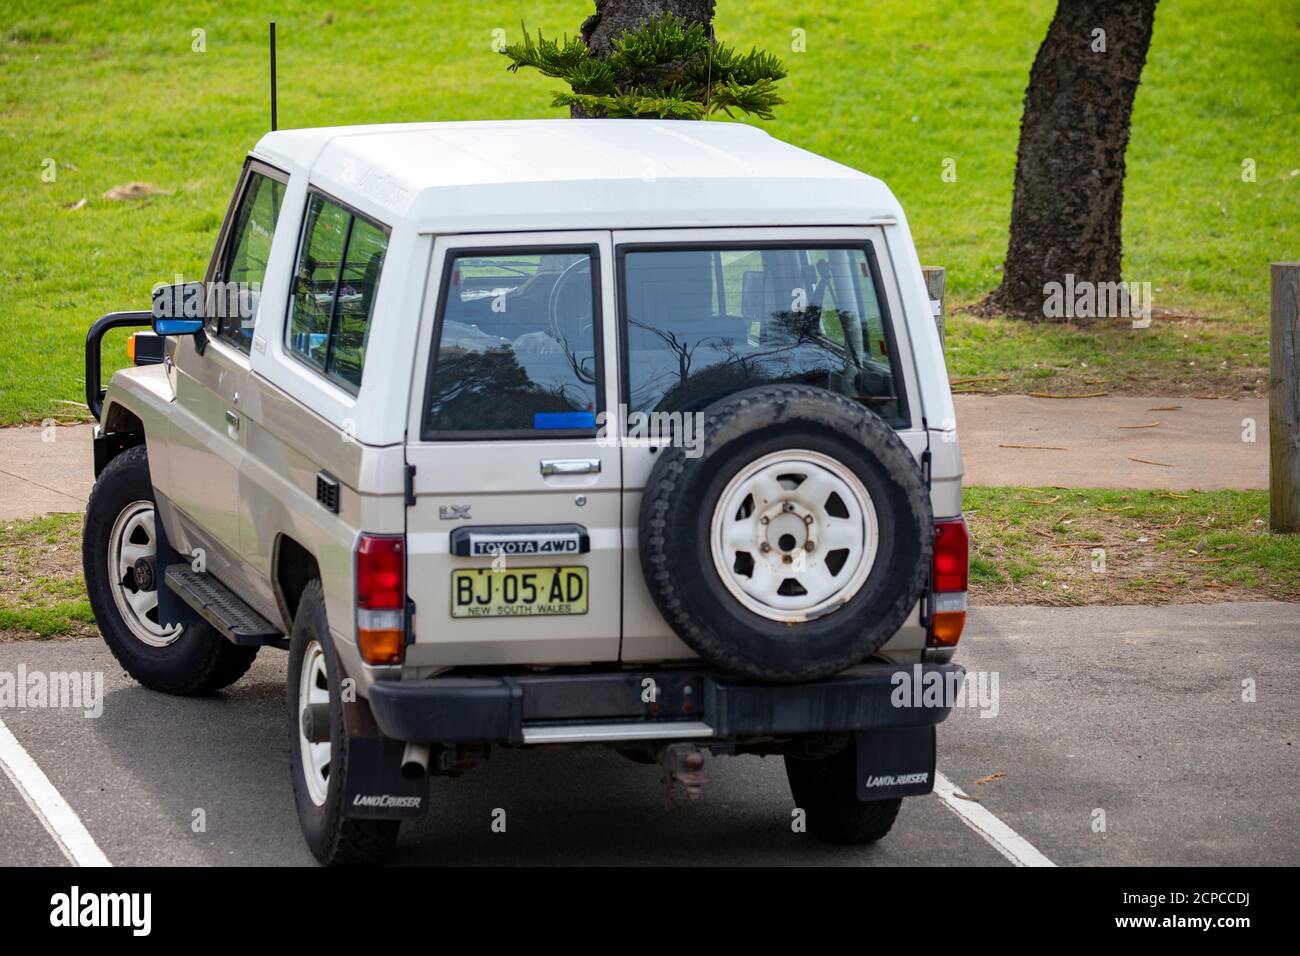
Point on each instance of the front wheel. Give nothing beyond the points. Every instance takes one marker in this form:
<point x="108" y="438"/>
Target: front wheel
<point x="826" y="789"/>
<point x="320" y="767"/>
<point x="119" y="556"/>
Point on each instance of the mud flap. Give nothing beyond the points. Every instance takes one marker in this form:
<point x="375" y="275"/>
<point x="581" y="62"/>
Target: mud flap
<point x="375" y="788"/>
<point x="172" y="608"/>
<point x="896" y="763"/>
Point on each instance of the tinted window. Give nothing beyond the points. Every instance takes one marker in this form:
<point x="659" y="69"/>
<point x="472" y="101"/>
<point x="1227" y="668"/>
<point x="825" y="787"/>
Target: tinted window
<point x="243" y="267"/>
<point x="339" y="264"/>
<point x="517" y="345"/>
<point x="705" y="323"/>
<point x="361" y="267"/>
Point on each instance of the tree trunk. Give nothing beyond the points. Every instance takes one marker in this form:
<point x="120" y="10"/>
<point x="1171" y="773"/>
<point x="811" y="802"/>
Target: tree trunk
<point x="613" y="17"/>
<point x="1069" y="187"/>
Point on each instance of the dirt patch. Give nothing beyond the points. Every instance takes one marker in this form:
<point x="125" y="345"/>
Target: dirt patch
<point x="131" y="191"/>
<point x="42" y="594"/>
<point x="1059" y="547"/>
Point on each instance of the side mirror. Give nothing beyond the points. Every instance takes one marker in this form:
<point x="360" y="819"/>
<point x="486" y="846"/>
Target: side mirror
<point x="179" y="309"/>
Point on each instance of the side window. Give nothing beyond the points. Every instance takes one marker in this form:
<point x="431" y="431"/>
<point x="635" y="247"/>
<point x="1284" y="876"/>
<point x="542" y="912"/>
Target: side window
<point x="339" y="262"/>
<point x="705" y="323"/>
<point x="361" y="267"/>
<point x="243" y="266"/>
<point x="517" y="347"/>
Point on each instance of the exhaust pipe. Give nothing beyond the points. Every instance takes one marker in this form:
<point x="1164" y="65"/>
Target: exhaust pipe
<point x="415" y="761"/>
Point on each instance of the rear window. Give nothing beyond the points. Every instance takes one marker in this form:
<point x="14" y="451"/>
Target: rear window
<point x="703" y="323"/>
<point x="517" y="347"/>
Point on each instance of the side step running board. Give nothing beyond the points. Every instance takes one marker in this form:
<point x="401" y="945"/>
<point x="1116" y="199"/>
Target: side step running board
<point x="222" y="608"/>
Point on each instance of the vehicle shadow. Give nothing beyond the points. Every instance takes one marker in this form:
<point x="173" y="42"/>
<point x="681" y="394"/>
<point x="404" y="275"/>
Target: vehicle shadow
<point x="595" y="807"/>
<point x="228" y="755"/>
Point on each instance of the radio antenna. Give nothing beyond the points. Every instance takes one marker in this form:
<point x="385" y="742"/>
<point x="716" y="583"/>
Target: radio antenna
<point x="273" y="117"/>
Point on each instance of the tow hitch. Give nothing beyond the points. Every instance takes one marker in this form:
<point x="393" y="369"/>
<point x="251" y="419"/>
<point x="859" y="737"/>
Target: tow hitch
<point x="682" y="763"/>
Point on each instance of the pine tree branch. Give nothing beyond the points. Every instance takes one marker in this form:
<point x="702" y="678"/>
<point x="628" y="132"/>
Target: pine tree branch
<point x="550" y="57"/>
<point x="666" y="67"/>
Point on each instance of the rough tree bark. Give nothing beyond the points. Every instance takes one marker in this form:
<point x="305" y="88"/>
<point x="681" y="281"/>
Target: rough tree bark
<point x="613" y="17"/>
<point x="1069" y="186"/>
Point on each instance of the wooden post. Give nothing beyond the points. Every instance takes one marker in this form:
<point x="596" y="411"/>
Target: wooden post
<point x="1284" y="398"/>
<point x="934" y="283"/>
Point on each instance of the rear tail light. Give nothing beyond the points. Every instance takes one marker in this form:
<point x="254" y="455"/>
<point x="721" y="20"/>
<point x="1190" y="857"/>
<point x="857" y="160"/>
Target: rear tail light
<point x="948" y="582"/>
<point x="381" y="598"/>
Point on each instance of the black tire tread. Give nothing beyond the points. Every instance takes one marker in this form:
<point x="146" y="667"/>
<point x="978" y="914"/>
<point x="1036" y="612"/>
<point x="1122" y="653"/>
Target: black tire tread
<point x="661" y="489"/>
<point x="346" y="842"/>
<point x="216" y="663"/>
<point x="825" y="790"/>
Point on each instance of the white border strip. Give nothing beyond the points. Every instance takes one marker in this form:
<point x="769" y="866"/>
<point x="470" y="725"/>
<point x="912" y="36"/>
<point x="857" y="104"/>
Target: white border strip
<point x="58" y="818"/>
<point x="998" y="835"/>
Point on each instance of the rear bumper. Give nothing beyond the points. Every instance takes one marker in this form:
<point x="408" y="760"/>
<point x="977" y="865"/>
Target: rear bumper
<point x="655" y="705"/>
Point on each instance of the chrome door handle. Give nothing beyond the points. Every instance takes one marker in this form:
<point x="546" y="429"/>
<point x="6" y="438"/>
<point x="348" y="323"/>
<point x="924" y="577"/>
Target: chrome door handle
<point x="232" y="420"/>
<point x="571" y="466"/>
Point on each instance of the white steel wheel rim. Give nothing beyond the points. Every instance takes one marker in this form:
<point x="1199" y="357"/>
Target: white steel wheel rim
<point x="313" y="688"/>
<point x="132" y="538"/>
<point x="794" y="535"/>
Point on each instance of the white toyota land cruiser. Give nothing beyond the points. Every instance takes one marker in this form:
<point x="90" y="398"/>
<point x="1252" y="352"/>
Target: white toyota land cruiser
<point x="624" y="433"/>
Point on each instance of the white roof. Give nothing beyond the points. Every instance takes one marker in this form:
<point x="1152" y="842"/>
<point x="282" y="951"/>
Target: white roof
<point x="575" y="174"/>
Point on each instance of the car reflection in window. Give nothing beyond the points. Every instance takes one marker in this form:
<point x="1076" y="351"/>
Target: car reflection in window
<point x="516" y="355"/>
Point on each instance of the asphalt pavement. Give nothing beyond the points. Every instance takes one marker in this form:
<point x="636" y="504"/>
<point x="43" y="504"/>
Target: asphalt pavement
<point x="1136" y="712"/>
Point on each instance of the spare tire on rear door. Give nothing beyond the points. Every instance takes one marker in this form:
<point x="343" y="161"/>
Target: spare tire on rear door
<point x="797" y="539"/>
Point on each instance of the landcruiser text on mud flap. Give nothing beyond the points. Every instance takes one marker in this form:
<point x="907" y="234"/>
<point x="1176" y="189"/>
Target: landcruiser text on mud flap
<point x="521" y="434"/>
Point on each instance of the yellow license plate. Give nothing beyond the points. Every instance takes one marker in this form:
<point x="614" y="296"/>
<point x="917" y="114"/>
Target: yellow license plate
<point x="518" y="592"/>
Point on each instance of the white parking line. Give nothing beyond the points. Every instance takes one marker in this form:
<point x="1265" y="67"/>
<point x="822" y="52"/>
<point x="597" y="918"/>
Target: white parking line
<point x="998" y="835"/>
<point x="59" y="819"/>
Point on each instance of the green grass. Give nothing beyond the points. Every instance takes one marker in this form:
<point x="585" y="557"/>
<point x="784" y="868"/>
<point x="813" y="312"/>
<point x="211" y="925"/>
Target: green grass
<point x="113" y="94"/>
<point x="42" y="593"/>
<point x="1223" y="358"/>
<point x="48" y="620"/>
<point x="1038" y="546"/>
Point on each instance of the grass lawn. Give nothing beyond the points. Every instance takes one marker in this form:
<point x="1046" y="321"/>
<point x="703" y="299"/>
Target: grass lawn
<point x="1029" y="546"/>
<point x="42" y="593"/>
<point x="104" y="95"/>
<point x="1053" y="546"/>
<point x="1202" y="357"/>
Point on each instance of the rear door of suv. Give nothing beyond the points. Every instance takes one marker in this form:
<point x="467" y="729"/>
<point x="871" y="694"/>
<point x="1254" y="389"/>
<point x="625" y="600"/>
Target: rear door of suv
<point x="708" y="312"/>
<point x="513" y="518"/>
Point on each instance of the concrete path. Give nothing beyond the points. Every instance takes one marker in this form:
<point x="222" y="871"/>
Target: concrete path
<point x="1135" y="712"/>
<point x="45" y="469"/>
<point x="1199" y="444"/>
